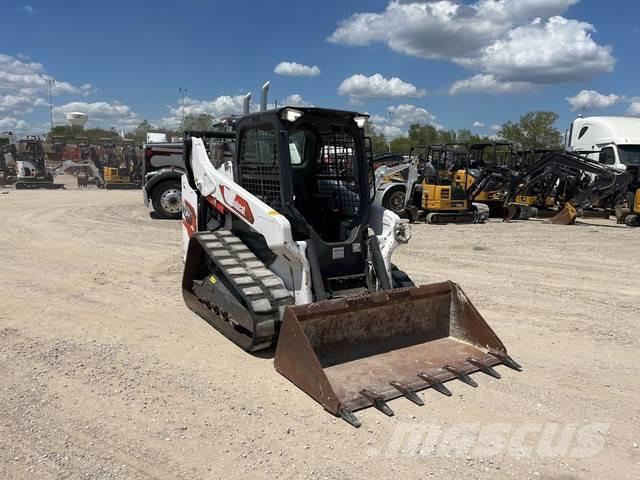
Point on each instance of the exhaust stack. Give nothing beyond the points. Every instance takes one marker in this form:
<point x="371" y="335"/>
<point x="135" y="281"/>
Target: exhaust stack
<point x="245" y="104"/>
<point x="263" y="96"/>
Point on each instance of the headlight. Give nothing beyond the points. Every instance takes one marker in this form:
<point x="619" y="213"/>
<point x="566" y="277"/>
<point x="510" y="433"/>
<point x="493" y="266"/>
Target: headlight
<point x="360" y="121"/>
<point x="290" y="114"/>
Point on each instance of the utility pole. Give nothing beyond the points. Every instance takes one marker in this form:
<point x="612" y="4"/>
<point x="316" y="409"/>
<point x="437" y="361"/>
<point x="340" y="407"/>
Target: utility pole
<point x="51" y="81"/>
<point x="183" y="91"/>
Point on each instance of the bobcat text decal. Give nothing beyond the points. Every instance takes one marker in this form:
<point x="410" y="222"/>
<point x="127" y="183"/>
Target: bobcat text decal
<point x="189" y="219"/>
<point x="237" y="204"/>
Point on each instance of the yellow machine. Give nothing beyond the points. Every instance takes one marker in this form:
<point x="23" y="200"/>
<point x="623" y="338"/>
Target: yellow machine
<point x="116" y="175"/>
<point x="486" y="155"/>
<point x="120" y="169"/>
<point x="630" y="215"/>
<point x="451" y="197"/>
<point x="532" y="200"/>
<point x="443" y="194"/>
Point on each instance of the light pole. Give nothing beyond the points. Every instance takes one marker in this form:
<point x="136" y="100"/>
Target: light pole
<point x="51" y="81"/>
<point x="183" y="91"/>
<point x="389" y="137"/>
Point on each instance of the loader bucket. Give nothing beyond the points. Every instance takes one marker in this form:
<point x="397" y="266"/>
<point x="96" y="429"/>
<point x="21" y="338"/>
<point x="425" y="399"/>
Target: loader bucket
<point x="566" y="216"/>
<point x="353" y="353"/>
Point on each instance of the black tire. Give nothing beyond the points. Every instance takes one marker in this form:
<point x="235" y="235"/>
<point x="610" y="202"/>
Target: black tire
<point x="394" y="201"/>
<point x="167" y="199"/>
<point x="632" y="220"/>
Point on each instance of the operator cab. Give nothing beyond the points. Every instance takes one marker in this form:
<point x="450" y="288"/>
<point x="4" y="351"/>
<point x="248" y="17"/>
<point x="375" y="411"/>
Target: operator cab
<point x="315" y="172"/>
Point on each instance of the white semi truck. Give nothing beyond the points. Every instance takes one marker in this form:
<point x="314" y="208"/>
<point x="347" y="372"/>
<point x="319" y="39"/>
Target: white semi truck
<point x="613" y="141"/>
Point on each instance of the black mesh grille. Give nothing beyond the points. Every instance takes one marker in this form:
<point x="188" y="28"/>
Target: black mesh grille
<point x="337" y="178"/>
<point x="258" y="166"/>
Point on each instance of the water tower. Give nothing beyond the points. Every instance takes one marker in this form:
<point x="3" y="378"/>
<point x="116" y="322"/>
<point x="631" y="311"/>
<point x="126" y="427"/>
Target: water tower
<point x="77" y="119"/>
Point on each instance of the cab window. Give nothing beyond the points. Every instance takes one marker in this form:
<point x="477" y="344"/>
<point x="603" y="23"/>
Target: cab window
<point x="297" y="141"/>
<point x="607" y="156"/>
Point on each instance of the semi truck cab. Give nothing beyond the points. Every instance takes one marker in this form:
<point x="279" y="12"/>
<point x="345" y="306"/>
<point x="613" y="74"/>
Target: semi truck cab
<point x="613" y="141"/>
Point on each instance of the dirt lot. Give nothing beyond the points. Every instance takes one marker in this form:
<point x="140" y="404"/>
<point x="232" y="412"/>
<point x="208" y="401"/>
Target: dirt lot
<point x="104" y="373"/>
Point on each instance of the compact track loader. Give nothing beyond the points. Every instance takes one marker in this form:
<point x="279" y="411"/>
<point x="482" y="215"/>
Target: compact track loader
<point x="283" y="245"/>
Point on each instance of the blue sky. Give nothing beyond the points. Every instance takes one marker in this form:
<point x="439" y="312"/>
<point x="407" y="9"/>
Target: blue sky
<point x="450" y="63"/>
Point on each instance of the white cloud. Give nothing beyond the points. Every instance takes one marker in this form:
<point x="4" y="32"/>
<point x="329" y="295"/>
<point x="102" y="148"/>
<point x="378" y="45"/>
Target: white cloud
<point x="487" y="83"/>
<point x="13" y="124"/>
<point x="516" y="42"/>
<point x="551" y="51"/>
<point x="478" y="124"/>
<point x="101" y="114"/>
<point x="19" y="104"/>
<point x="442" y="29"/>
<point x="296" y="69"/>
<point x="495" y="128"/>
<point x="400" y="117"/>
<point x="591" y="99"/>
<point x="217" y="107"/>
<point x="634" y="109"/>
<point x="295" y="100"/>
<point x="377" y="86"/>
<point x="28" y="8"/>
<point x="29" y="77"/>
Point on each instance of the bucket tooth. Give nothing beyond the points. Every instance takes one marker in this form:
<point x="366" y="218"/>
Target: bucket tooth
<point x="507" y="361"/>
<point x="408" y="392"/>
<point x="436" y="384"/>
<point x="377" y="401"/>
<point x="348" y="416"/>
<point x="486" y="369"/>
<point x="460" y="375"/>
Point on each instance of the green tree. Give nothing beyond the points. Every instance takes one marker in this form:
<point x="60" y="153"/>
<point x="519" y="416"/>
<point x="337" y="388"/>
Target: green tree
<point x="533" y="130"/>
<point x="69" y="133"/>
<point x="421" y="135"/>
<point x="401" y="145"/>
<point x="378" y="140"/>
<point x="202" y="121"/>
<point x="139" y="134"/>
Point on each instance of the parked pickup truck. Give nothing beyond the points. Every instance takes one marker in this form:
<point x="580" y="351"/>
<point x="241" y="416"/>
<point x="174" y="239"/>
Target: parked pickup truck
<point x="161" y="186"/>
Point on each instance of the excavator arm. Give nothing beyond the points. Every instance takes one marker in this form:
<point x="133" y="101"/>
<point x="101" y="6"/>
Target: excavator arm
<point x="557" y="165"/>
<point x="488" y="173"/>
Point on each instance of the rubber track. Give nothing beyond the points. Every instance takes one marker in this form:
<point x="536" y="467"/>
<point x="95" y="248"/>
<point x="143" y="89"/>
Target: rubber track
<point x="262" y="290"/>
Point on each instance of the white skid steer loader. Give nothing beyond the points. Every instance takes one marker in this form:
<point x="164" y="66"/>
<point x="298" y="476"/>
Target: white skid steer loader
<point x="283" y="245"/>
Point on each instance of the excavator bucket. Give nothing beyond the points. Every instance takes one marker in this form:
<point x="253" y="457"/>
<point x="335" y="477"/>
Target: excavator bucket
<point x="357" y="352"/>
<point x="566" y="216"/>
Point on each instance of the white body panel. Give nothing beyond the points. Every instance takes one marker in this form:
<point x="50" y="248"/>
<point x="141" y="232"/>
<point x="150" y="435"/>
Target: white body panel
<point x="153" y="137"/>
<point x="25" y="169"/>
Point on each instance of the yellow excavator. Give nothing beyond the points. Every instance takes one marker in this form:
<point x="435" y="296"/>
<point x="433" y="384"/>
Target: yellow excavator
<point x="445" y="190"/>
<point x="284" y="246"/>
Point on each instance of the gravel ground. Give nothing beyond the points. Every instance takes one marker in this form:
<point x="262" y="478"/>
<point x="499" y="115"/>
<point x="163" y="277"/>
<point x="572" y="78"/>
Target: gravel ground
<point x="104" y="373"/>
